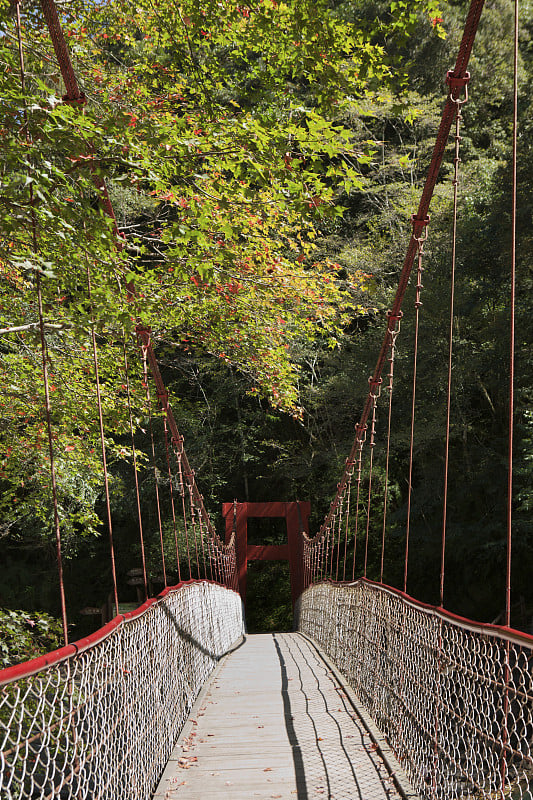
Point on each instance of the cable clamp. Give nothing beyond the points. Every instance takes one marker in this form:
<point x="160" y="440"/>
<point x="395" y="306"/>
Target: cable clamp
<point x="360" y="431"/>
<point x="455" y="84"/>
<point x="375" y="387"/>
<point x="394" y="317"/>
<point x="423" y="221"/>
<point x="420" y="224"/>
<point x="81" y="100"/>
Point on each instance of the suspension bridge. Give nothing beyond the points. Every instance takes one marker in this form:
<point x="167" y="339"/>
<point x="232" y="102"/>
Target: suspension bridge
<point x="374" y="694"/>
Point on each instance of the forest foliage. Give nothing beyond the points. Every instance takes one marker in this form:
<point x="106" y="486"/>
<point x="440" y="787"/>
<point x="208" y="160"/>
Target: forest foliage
<point x="263" y="161"/>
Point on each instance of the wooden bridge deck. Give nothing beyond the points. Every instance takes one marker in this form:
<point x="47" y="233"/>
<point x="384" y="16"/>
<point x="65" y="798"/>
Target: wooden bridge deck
<point x="274" y="721"/>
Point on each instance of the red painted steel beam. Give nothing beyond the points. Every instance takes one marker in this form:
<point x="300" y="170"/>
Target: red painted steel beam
<point x="296" y="515"/>
<point x="277" y="509"/>
<point x="456" y="79"/>
<point x="74" y="94"/>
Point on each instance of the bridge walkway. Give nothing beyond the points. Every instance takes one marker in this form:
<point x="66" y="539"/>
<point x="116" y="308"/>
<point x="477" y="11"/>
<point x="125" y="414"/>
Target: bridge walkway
<point x="275" y="721"/>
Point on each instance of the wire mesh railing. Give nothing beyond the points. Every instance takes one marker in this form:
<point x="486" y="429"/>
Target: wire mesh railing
<point x="98" y="719"/>
<point x="453" y="697"/>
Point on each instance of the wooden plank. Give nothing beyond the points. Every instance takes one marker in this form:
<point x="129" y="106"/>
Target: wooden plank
<point x="275" y="722"/>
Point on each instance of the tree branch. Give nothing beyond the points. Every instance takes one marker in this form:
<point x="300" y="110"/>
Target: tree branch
<point x="31" y="326"/>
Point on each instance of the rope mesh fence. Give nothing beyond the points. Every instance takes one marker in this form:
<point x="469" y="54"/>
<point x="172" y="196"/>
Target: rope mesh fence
<point x="102" y="721"/>
<point x="454" y="698"/>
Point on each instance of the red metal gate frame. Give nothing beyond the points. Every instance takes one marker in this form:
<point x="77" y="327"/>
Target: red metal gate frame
<point x="296" y="517"/>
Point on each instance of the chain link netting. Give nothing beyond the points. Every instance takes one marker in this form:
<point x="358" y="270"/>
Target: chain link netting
<point x="101" y="724"/>
<point x="454" y="698"/>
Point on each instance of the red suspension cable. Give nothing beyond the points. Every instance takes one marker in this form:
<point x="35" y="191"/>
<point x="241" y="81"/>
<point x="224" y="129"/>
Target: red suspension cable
<point x="44" y="352"/>
<point x="341" y="508"/>
<point x="102" y="442"/>
<point x="360" y="442"/>
<point x="512" y="328"/>
<point x="376" y="391"/>
<point x="420" y="240"/>
<point x="509" y="534"/>
<point x="193" y="524"/>
<point x="171" y="489"/>
<point x="202" y="544"/>
<point x="348" y="499"/>
<point x="154" y="464"/>
<point x="184" y="509"/>
<point x="393" y="333"/>
<point x="458" y="117"/>
<point x="135" y="472"/>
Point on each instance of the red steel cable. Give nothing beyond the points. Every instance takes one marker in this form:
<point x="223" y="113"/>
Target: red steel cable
<point x="376" y="391"/>
<point x="201" y="534"/>
<point x="458" y="117"/>
<point x="44" y="355"/>
<point x="348" y="498"/>
<point x="210" y="553"/>
<point x="393" y="336"/>
<point x="326" y="559"/>
<point x="360" y="442"/>
<point x="171" y="488"/>
<point x="512" y="329"/>
<point x="51" y="16"/>
<point x="48" y="411"/>
<point x="73" y="94"/>
<point x="420" y="241"/>
<point x="193" y="523"/>
<point x="154" y="464"/>
<point x="341" y="508"/>
<point x="134" y="451"/>
<point x="509" y="537"/>
<point x="182" y="493"/>
<point x="331" y="545"/>
<point x="102" y="441"/>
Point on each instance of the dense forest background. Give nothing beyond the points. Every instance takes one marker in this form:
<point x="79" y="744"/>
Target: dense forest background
<point x="263" y="161"/>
